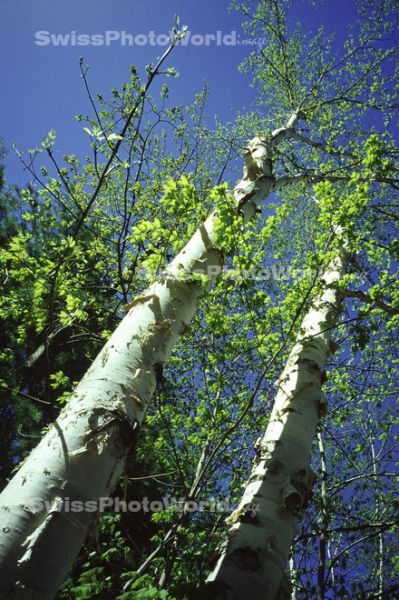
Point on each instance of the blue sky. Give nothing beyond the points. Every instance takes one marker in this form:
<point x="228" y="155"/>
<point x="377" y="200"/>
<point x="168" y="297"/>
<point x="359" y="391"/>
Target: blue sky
<point x="42" y="88"/>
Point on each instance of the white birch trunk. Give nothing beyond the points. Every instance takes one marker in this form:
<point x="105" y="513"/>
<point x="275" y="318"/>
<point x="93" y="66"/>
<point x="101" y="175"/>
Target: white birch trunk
<point x="83" y="454"/>
<point x="256" y="552"/>
<point x="325" y="519"/>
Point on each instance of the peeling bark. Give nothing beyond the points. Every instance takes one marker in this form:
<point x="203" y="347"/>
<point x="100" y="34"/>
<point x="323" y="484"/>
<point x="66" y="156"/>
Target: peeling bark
<point x="255" y="554"/>
<point x="82" y="455"/>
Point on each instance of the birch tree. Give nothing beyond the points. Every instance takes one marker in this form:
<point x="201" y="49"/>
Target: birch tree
<point x="257" y="547"/>
<point x="316" y="120"/>
<point x="262" y="528"/>
<point x="83" y="454"/>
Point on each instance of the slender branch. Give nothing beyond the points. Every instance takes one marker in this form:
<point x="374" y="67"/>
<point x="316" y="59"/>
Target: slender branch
<point x="315" y="178"/>
<point x="366" y="298"/>
<point x="122" y="135"/>
<point x="25" y="395"/>
<point x="322" y="146"/>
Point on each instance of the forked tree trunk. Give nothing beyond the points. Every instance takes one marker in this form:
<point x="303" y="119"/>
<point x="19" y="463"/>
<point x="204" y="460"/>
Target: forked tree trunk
<point x="255" y="555"/>
<point x="83" y="454"/>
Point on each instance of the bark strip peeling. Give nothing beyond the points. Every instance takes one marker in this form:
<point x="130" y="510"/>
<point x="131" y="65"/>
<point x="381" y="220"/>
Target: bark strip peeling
<point x="82" y="455"/>
<point x="255" y="555"/>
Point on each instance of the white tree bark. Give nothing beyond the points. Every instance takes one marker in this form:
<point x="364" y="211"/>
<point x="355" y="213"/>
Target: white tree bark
<point x="325" y="519"/>
<point x="255" y="555"/>
<point x="82" y="455"/>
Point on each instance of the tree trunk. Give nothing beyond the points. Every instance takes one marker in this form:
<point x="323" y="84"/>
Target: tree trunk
<point x="325" y="521"/>
<point x="255" y="555"/>
<point x="83" y="454"/>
